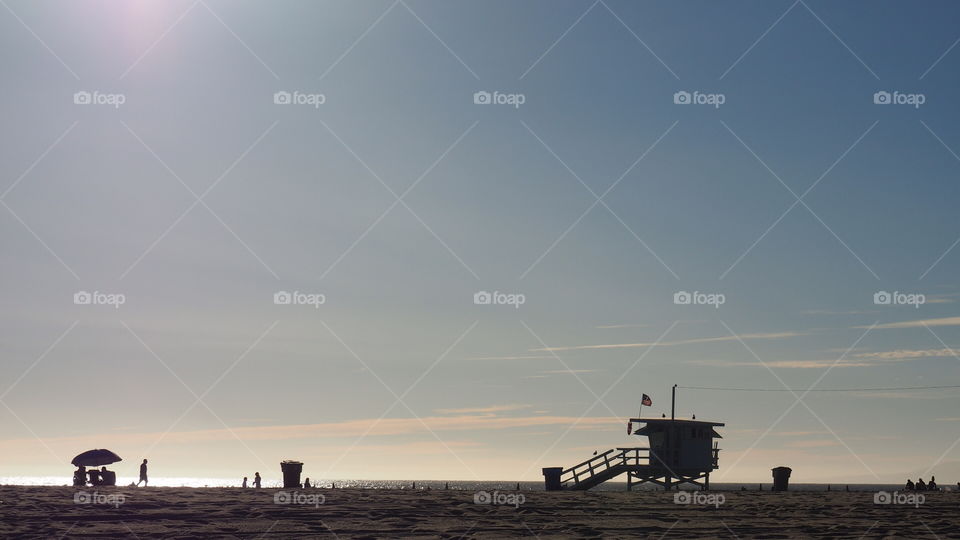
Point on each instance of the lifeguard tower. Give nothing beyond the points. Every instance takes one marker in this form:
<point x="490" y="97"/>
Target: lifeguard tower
<point x="678" y="451"/>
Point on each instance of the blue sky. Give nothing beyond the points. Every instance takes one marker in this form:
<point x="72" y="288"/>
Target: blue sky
<point x="202" y="372"/>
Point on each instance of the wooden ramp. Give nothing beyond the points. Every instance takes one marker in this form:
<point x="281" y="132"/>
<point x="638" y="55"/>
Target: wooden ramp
<point x="640" y="465"/>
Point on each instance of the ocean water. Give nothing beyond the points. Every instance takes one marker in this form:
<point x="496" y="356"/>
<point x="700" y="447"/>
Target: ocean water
<point x="464" y="485"/>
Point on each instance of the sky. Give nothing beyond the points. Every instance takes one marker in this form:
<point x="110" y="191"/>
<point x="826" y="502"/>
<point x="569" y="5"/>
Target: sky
<point x="786" y="166"/>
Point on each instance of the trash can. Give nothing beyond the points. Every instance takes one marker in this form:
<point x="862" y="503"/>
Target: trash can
<point x="291" y="473"/>
<point x="781" y="478"/>
<point x="551" y="478"/>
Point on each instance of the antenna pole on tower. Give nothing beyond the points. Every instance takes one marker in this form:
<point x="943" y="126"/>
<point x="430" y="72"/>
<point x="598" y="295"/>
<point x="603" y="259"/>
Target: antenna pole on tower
<point x="673" y="403"/>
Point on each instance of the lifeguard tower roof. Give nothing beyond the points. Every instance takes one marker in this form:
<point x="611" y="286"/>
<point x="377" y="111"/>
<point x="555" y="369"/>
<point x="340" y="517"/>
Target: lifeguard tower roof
<point x="667" y="421"/>
<point x="658" y="424"/>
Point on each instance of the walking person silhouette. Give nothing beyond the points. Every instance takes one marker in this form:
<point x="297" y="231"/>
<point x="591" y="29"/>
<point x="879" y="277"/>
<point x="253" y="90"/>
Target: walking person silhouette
<point x="143" y="473"/>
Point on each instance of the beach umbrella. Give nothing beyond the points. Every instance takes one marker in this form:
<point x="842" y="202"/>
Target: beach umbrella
<point x="95" y="458"/>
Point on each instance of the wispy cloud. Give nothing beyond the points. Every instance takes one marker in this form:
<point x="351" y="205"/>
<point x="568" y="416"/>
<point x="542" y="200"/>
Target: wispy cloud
<point x="488" y="409"/>
<point x="905" y="354"/>
<point x="830" y="312"/>
<point x="771" y="335"/>
<point x="622" y="326"/>
<point x="787" y="364"/>
<point x="945" y="321"/>
<point x="528" y="357"/>
<point x="812" y="443"/>
<point x="349" y="428"/>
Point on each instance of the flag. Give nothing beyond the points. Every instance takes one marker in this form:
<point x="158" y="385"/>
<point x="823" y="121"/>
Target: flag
<point x="646" y="401"/>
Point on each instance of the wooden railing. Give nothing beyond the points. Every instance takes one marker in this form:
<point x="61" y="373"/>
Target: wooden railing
<point x="602" y="462"/>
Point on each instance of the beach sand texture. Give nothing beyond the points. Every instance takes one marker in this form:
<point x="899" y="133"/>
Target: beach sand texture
<point x="51" y="512"/>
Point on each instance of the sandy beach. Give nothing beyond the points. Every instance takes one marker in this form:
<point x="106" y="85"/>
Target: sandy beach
<point x="53" y="512"/>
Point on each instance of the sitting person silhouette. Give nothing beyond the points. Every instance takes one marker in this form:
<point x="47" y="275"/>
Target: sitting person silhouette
<point x="107" y="478"/>
<point x="932" y="485"/>
<point x="306" y="483"/>
<point x="920" y="485"/>
<point x="80" y="476"/>
<point x="244" y="482"/>
<point x="909" y="486"/>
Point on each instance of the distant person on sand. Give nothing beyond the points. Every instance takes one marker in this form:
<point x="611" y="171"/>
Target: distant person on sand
<point x="244" y="482"/>
<point x="920" y="485"/>
<point x="932" y="486"/>
<point x="910" y="486"/>
<point x="306" y="484"/>
<point x="80" y="476"/>
<point x="256" y="480"/>
<point x="143" y="473"/>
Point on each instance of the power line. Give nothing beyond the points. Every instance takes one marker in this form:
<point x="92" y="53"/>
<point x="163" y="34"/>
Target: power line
<point x="820" y="389"/>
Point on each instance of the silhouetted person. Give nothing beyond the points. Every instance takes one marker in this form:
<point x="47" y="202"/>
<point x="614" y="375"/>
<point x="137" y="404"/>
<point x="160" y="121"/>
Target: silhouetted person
<point x="932" y="486"/>
<point x="306" y="483"/>
<point x="920" y="485"/>
<point x="80" y="476"/>
<point x="107" y="478"/>
<point x="910" y="486"/>
<point x="143" y="473"/>
<point x="244" y="482"/>
<point x="256" y="480"/>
